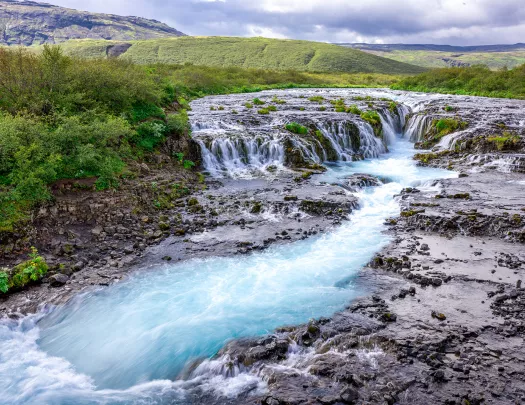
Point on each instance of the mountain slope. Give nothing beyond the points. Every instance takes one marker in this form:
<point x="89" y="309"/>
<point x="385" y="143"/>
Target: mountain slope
<point x="263" y="53"/>
<point x="30" y="23"/>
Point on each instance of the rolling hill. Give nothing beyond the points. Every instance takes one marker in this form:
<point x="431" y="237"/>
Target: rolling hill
<point x="433" y="56"/>
<point x="31" y="23"/>
<point x="262" y="53"/>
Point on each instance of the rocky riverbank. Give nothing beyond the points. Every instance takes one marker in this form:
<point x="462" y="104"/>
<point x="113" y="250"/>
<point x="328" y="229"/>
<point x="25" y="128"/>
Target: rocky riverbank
<point x="445" y="325"/>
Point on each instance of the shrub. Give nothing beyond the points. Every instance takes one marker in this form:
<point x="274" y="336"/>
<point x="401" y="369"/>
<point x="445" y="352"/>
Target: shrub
<point x="150" y="134"/>
<point x="296" y="128"/>
<point x="263" y="111"/>
<point x="4" y="282"/>
<point x="257" y="101"/>
<point x="179" y="123"/>
<point x="248" y="105"/>
<point x="29" y="271"/>
<point x="271" y="108"/>
<point x="143" y="110"/>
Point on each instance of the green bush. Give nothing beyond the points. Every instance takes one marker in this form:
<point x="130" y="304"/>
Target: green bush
<point x="24" y="273"/>
<point x="4" y="282"/>
<point x="257" y="101"/>
<point x="179" y="123"/>
<point x="263" y="111"/>
<point x="150" y="134"/>
<point x="296" y="128"/>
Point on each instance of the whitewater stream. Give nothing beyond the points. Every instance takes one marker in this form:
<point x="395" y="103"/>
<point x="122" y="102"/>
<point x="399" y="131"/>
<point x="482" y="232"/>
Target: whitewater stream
<point x="138" y="342"/>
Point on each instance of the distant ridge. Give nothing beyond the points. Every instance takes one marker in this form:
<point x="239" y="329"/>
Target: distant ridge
<point x="431" y="47"/>
<point x="437" y="56"/>
<point x="30" y="23"/>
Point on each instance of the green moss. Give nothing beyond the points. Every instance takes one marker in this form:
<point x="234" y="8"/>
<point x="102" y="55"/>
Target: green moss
<point x="428" y="157"/>
<point x="353" y="109"/>
<point x="263" y="111"/>
<point x="271" y="108"/>
<point x="277" y="100"/>
<point x="256" y="208"/>
<point x="296" y="128"/>
<point x="410" y="213"/>
<point x="373" y="118"/>
<point x="507" y="141"/>
<point x="248" y="105"/>
<point x="317" y="99"/>
<point x="258" y="101"/>
<point x="392" y="106"/>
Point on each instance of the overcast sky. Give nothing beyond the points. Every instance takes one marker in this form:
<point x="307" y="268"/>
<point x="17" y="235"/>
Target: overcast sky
<point x="455" y="22"/>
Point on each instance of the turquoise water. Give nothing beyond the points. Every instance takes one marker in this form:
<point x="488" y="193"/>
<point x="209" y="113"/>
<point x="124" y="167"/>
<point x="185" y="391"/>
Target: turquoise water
<point x="126" y="343"/>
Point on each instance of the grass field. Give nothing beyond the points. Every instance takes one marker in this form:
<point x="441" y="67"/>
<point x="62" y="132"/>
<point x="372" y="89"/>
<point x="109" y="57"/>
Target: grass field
<point x="260" y="53"/>
<point x="435" y="59"/>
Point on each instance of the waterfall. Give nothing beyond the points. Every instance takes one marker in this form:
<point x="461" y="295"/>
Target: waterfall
<point x="417" y="126"/>
<point x="261" y="144"/>
<point x="241" y="153"/>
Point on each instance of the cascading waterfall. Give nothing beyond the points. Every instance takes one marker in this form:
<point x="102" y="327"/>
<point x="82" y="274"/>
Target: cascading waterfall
<point x="236" y="150"/>
<point x="417" y="126"/>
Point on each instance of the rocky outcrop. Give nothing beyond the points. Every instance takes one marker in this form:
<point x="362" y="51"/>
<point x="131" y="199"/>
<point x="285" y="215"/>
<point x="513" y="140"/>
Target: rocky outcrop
<point x="31" y="23"/>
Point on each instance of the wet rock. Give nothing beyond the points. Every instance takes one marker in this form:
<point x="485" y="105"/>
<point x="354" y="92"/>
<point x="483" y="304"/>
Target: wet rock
<point x="349" y="396"/>
<point x="58" y="280"/>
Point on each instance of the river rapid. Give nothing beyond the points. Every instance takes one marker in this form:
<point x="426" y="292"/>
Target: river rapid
<point x="152" y="338"/>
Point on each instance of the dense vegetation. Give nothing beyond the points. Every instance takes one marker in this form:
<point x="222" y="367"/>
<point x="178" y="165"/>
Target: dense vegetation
<point x="260" y="53"/>
<point x="476" y="80"/>
<point x="63" y="119"/>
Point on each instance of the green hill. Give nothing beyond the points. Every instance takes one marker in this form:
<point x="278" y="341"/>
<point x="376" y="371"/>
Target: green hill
<point x="261" y="53"/>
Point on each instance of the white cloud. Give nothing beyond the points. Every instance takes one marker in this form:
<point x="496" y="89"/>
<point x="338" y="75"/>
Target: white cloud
<point x="466" y="22"/>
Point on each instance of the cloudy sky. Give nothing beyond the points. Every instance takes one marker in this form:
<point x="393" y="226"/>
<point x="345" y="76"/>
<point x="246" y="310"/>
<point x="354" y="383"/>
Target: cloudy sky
<point x="455" y="22"/>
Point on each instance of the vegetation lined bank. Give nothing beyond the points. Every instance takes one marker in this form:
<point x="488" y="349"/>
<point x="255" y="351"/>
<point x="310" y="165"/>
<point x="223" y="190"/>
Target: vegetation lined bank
<point x="67" y="118"/>
<point x="475" y="81"/>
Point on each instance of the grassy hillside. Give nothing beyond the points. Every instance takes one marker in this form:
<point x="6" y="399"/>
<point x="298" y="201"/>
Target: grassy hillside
<point x="476" y="81"/>
<point x="261" y="53"/>
<point x="436" y="59"/>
